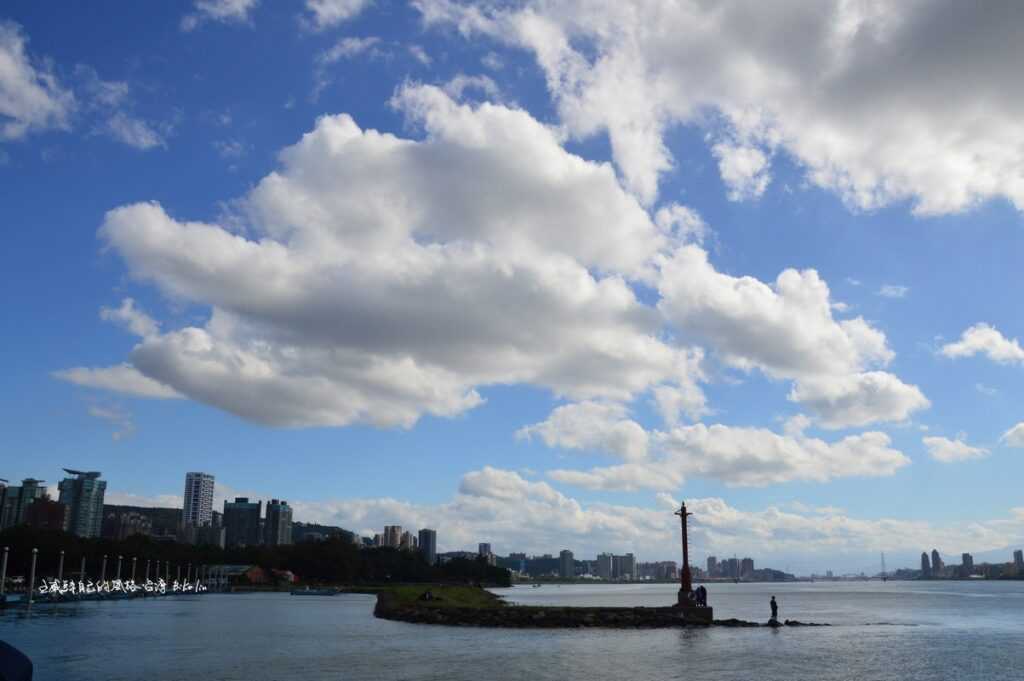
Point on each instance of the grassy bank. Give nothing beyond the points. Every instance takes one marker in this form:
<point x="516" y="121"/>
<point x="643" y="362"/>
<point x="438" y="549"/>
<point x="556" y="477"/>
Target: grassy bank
<point x="441" y="596"/>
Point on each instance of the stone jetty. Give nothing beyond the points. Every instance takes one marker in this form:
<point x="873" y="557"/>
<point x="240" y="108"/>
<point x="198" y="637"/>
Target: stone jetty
<point x="436" y="609"/>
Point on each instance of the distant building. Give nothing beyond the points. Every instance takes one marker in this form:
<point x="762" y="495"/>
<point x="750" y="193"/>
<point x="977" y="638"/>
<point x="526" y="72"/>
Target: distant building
<point x="603" y="566"/>
<point x="428" y="545"/>
<point x="566" y="564"/>
<point x="393" y="536"/>
<point x="277" y="527"/>
<point x="223" y="577"/>
<point x="628" y="567"/>
<point x="443" y="558"/>
<point x="937" y="564"/>
<point x="484" y="549"/>
<point x="205" y="535"/>
<point x="665" y="569"/>
<point x="198" y="507"/>
<point x="966" y="564"/>
<point x="83" y="494"/>
<point x="746" y="568"/>
<point x="408" y="541"/>
<point x="119" y="525"/>
<point x="926" y="567"/>
<point x="712" y="566"/>
<point x="378" y="540"/>
<point x="165" y="523"/>
<point x="47" y="514"/>
<point x="16" y="501"/>
<point x="242" y="522"/>
<point x="1018" y="560"/>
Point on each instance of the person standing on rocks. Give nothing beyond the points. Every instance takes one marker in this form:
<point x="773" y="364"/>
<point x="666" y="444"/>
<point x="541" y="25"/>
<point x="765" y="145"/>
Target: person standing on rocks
<point x="775" y="609"/>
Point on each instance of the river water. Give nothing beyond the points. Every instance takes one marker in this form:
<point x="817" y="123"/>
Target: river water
<point x="898" y="630"/>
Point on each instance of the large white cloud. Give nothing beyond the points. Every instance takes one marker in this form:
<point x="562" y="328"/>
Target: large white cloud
<point x="591" y="425"/>
<point x="381" y="278"/>
<point x="985" y="340"/>
<point x="787" y="330"/>
<point x="859" y="399"/>
<point x="31" y="97"/>
<point x="880" y="102"/>
<point x="748" y="457"/>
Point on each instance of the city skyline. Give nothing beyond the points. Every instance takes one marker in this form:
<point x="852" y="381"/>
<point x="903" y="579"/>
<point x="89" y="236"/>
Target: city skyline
<point x="245" y="522"/>
<point x="510" y="274"/>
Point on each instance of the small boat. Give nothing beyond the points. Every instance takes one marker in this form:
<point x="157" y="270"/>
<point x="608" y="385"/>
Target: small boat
<point x="324" y="591"/>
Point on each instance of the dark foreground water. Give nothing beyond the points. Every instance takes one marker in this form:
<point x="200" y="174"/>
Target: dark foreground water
<point x="899" y="630"/>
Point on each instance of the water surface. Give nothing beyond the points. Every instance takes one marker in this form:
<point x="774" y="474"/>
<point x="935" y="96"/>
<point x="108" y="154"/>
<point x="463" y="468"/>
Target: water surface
<point x="898" y="630"/>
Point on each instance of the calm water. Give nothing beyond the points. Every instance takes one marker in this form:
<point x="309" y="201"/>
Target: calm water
<point x="899" y="630"/>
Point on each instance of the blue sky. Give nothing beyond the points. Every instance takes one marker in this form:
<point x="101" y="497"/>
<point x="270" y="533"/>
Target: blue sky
<point x="510" y="272"/>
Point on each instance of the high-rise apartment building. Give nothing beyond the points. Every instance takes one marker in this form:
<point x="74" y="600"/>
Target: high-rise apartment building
<point x="926" y="566"/>
<point x="278" y="525"/>
<point x="566" y="564"/>
<point x="937" y="564"/>
<point x="198" y="507"/>
<point x="16" y="501"/>
<point x="83" y="494"/>
<point x="428" y="545"/>
<point x="483" y="549"/>
<point x="393" y="536"/>
<point x="1018" y="560"/>
<point x="242" y="522"/>
<point x="746" y="568"/>
<point x="712" y="565"/>
<point x="603" y="566"/>
<point x="46" y="514"/>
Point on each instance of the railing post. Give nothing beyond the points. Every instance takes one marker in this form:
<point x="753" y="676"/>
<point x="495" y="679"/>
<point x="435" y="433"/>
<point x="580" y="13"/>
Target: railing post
<point x="32" y="576"/>
<point x="147" y="570"/>
<point x="133" y="568"/>
<point x="60" y="567"/>
<point x="117" y="574"/>
<point x="103" y="569"/>
<point x="3" y="573"/>
<point x="81" y="569"/>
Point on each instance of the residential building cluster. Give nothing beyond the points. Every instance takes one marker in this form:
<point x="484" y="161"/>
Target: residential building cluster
<point x="933" y="567"/>
<point x="425" y="541"/>
<point x="79" y="510"/>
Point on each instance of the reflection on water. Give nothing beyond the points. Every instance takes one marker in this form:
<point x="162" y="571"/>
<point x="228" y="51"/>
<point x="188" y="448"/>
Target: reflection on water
<point x="964" y="630"/>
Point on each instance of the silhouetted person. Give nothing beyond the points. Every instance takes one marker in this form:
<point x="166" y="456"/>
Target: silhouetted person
<point x="775" y="609"/>
<point x="702" y="596"/>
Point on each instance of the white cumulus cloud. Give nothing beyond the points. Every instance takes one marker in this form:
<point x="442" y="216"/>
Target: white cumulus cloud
<point x="857" y="93"/>
<point x="381" y="278"/>
<point x="983" y="339"/>
<point x="948" y="451"/>
<point x="31" y="97"/>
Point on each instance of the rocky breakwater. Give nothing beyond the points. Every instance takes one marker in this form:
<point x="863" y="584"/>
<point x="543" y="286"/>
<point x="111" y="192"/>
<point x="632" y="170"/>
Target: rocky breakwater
<point x="435" y="608"/>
